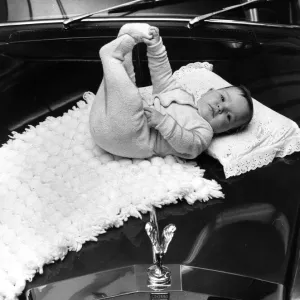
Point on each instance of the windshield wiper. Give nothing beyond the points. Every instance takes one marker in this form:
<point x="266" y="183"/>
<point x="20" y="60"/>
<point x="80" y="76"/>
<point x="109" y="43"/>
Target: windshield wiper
<point x="136" y="3"/>
<point x="128" y="5"/>
<point x="198" y="19"/>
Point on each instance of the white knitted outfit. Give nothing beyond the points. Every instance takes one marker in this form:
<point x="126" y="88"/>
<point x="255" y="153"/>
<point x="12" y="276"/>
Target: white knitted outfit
<point x="117" y="120"/>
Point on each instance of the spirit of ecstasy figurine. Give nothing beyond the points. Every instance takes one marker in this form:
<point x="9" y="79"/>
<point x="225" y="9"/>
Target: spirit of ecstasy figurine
<point x="159" y="276"/>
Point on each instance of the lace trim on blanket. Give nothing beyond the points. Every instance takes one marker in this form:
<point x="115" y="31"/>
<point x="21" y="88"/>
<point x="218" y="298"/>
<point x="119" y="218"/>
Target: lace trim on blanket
<point x="259" y="160"/>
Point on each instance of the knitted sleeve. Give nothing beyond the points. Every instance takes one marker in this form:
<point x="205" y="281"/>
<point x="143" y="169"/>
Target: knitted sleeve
<point x="188" y="142"/>
<point x="160" y="69"/>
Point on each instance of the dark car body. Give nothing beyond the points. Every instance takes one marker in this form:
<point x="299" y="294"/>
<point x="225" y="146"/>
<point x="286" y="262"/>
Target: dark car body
<point x="244" y="246"/>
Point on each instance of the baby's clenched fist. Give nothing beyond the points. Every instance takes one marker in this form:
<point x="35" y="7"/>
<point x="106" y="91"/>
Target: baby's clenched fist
<point x="153" y="116"/>
<point x="154" y="32"/>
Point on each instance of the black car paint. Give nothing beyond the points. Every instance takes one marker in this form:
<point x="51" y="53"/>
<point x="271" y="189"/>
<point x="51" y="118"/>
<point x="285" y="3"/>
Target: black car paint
<point x="253" y="231"/>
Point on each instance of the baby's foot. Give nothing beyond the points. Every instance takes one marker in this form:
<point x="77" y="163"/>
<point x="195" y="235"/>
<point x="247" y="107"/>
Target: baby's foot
<point x="118" y="48"/>
<point x="138" y="31"/>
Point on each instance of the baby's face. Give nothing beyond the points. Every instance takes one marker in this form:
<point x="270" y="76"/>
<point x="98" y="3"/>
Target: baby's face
<point x="224" y="109"/>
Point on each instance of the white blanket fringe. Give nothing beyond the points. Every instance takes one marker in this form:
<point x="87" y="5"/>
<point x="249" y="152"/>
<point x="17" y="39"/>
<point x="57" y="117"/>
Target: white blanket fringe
<point x="59" y="190"/>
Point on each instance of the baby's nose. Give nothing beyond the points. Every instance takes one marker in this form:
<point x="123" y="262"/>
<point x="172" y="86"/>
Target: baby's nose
<point x="220" y="108"/>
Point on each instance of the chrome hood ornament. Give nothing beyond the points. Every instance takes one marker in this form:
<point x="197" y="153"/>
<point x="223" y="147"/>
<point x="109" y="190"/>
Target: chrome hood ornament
<point x="159" y="276"/>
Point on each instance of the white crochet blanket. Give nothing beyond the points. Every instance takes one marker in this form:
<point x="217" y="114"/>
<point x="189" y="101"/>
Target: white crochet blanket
<point x="59" y="190"/>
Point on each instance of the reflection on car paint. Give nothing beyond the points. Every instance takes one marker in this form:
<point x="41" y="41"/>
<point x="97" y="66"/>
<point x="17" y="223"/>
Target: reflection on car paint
<point x="263" y="213"/>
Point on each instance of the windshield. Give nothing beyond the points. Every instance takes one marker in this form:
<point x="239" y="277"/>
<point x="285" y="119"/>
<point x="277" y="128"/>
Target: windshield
<point x="30" y="10"/>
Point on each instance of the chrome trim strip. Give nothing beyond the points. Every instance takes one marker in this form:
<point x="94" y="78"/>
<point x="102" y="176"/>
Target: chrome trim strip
<point x="22" y="23"/>
<point x="258" y="24"/>
<point x="104" y="19"/>
<point x="141" y="19"/>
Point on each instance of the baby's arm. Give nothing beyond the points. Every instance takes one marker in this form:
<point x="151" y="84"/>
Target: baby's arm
<point x="188" y="142"/>
<point x="159" y="66"/>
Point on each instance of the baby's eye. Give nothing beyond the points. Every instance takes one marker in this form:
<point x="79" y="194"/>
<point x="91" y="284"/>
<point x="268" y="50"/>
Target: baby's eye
<point x="222" y="98"/>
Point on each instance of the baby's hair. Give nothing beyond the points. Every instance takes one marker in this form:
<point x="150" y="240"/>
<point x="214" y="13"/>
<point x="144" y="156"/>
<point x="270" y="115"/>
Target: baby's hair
<point x="247" y="95"/>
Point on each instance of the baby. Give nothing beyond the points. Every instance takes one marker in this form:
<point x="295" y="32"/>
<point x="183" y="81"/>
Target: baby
<point x="173" y="122"/>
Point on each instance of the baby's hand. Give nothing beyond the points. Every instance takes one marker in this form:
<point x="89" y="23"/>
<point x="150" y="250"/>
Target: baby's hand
<point x="154" y="32"/>
<point x="153" y="116"/>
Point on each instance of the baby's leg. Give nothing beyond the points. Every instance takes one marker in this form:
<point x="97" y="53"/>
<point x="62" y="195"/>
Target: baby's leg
<point x="138" y="31"/>
<point x="128" y="65"/>
<point x="117" y="119"/>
